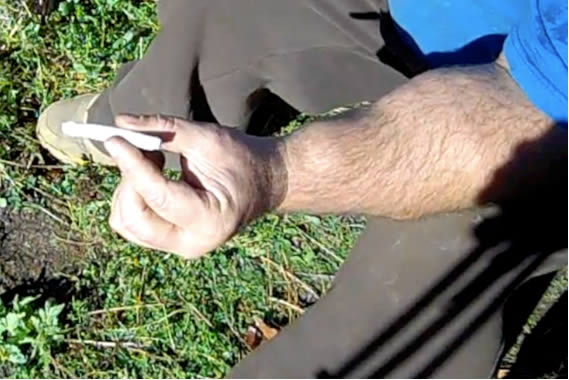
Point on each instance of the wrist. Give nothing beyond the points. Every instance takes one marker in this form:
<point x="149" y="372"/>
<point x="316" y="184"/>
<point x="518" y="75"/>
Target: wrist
<point x="269" y="175"/>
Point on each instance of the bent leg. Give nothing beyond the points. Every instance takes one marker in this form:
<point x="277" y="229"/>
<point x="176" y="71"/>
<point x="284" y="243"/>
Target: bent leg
<point x="315" y="55"/>
<point x="414" y="299"/>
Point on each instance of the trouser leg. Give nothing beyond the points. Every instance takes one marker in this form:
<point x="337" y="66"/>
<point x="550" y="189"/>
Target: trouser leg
<point x="420" y="298"/>
<point x="315" y="55"/>
<point x="160" y="81"/>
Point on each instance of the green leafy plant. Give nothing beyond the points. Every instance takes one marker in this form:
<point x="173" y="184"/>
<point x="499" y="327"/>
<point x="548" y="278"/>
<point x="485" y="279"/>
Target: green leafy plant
<point x="29" y="333"/>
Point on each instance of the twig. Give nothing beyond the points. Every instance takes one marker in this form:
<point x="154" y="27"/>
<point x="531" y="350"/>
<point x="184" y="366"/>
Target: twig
<point x="328" y="277"/>
<point x="291" y="276"/>
<point x="48" y="167"/>
<point x="290" y="286"/>
<point x="31" y="203"/>
<point x="167" y="319"/>
<point x="320" y="245"/>
<point x="25" y="6"/>
<point x="141" y="293"/>
<point x="122" y="308"/>
<point x="159" y="321"/>
<point x="36" y="189"/>
<point x="74" y="242"/>
<point x="11" y="163"/>
<point x="195" y="310"/>
<point x="16" y="27"/>
<point x="37" y="166"/>
<point x="61" y="368"/>
<point x="25" y="136"/>
<point x="200" y="315"/>
<point x="287" y="304"/>
<point x="53" y="198"/>
<point x="211" y="359"/>
<point x="103" y="344"/>
<point x="239" y="337"/>
<point x="168" y="327"/>
<point x="48" y="213"/>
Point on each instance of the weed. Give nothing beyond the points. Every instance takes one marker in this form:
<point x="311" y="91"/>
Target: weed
<point x="28" y="335"/>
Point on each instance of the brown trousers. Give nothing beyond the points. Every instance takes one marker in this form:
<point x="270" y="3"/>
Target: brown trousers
<point x="422" y="298"/>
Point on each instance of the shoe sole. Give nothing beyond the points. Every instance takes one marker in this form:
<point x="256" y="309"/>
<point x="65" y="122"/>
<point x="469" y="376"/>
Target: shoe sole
<point x="48" y="139"/>
<point x="54" y="151"/>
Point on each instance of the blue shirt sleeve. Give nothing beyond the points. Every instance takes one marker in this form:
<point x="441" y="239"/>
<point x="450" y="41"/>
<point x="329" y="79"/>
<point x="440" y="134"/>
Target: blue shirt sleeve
<point x="536" y="49"/>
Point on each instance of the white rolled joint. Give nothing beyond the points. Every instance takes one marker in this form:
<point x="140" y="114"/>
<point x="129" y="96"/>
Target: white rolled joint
<point x="102" y="133"/>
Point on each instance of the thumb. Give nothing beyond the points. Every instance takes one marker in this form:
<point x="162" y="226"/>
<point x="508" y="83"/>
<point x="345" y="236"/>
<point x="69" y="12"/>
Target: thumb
<point x="169" y="199"/>
<point x="132" y="162"/>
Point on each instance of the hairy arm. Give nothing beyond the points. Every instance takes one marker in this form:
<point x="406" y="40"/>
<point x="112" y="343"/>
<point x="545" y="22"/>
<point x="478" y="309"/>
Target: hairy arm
<point x="439" y="143"/>
<point x="447" y="140"/>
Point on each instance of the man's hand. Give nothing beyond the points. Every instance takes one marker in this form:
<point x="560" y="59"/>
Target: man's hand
<point x="228" y="178"/>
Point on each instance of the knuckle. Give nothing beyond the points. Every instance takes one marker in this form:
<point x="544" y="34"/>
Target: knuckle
<point x="158" y="199"/>
<point x="128" y="220"/>
<point x="167" y="123"/>
<point x="146" y="235"/>
<point x="130" y="225"/>
<point x="140" y="230"/>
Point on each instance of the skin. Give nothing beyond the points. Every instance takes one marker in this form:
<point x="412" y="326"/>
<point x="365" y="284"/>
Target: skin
<point x="447" y="140"/>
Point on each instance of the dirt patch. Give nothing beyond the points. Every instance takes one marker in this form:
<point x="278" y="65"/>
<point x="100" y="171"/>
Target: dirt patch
<point x="30" y="250"/>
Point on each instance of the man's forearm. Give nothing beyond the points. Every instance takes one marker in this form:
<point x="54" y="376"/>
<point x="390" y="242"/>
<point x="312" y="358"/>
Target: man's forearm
<point x="435" y="144"/>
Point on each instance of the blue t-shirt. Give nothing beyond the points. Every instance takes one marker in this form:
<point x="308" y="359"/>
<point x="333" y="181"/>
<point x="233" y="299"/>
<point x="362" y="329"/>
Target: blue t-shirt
<point x="448" y="32"/>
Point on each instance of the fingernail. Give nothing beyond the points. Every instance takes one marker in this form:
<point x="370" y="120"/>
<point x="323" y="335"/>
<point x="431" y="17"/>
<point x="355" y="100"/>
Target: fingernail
<point x="128" y="119"/>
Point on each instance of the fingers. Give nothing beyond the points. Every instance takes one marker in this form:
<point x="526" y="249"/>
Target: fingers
<point x="177" y="135"/>
<point x="131" y="160"/>
<point x="143" y="175"/>
<point x="170" y="201"/>
<point x="114" y="219"/>
<point x="145" y="123"/>
<point x="136" y="222"/>
<point x="189" y="176"/>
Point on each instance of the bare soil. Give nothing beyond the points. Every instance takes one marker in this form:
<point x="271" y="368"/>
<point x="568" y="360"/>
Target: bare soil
<point x="30" y="251"/>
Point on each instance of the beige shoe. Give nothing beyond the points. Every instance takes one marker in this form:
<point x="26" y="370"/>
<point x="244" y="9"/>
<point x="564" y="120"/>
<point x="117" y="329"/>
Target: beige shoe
<point x="67" y="149"/>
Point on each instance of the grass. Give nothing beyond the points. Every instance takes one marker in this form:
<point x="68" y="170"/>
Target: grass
<point x="131" y="312"/>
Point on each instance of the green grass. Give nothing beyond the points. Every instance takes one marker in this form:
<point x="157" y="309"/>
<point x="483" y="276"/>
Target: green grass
<point x="171" y="318"/>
